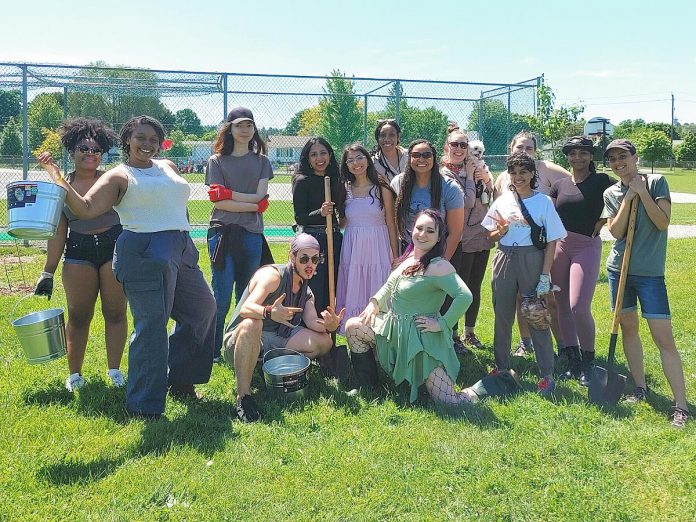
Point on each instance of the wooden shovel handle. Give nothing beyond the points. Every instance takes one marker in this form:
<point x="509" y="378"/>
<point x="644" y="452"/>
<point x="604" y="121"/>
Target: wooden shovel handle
<point x="329" y="245"/>
<point x="623" y="275"/>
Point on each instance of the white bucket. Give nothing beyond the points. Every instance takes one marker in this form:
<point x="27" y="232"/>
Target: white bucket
<point x="34" y="209"/>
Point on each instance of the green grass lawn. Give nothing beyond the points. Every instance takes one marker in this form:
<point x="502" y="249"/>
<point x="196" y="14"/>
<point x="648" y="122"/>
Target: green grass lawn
<point x="336" y="457"/>
<point x="679" y="179"/>
<point x="278" y="212"/>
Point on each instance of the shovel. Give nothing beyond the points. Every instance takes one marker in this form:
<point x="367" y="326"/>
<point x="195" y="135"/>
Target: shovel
<point x="607" y="385"/>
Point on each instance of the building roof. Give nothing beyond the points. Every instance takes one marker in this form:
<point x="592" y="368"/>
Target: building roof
<point x="287" y="142"/>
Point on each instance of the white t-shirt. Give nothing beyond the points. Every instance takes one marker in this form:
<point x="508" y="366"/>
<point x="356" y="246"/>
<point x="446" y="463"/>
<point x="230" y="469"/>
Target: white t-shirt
<point x="541" y="209"/>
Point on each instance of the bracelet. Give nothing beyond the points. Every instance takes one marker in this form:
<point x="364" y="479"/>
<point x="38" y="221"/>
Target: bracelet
<point x="47" y="275"/>
<point x="267" y="311"/>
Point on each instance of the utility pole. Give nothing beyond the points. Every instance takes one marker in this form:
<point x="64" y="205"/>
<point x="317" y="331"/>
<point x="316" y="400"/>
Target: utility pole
<point x="671" y="156"/>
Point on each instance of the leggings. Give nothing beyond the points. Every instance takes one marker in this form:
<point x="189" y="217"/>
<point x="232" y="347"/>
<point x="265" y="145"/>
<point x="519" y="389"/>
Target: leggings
<point x="575" y="270"/>
<point x="473" y="269"/>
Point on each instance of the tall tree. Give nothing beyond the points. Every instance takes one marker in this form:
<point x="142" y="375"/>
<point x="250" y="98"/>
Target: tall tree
<point x="652" y="145"/>
<point x="687" y="150"/>
<point x="188" y="122"/>
<point x="10" y="106"/>
<point x="341" y="118"/>
<point x="495" y="124"/>
<point x="11" y="139"/>
<point x="43" y="112"/>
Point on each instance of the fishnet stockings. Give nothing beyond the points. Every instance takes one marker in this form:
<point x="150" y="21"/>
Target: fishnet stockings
<point x="361" y="338"/>
<point x="441" y="388"/>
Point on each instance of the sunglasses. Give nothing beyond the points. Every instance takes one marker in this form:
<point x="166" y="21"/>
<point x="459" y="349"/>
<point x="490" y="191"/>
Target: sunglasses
<point x="84" y="149"/>
<point x="424" y="155"/>
<point x="316" y="259"/>
<point x="388" y="120"/>
<point x="354" y="159"/>
<point x="459" y="144"/>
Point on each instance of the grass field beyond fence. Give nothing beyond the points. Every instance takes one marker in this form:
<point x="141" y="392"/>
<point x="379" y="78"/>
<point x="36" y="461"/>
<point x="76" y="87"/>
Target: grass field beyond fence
<point x="335" y="457"/>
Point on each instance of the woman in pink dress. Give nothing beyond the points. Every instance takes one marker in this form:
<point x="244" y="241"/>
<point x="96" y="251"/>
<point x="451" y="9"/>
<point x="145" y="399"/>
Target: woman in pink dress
<point x="370" y="239"/>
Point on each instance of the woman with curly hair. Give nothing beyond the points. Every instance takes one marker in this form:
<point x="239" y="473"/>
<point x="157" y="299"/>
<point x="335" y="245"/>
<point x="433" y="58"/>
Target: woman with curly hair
<point x="89" y="247"/>
<point x="422" y="186"/>
<point x="157" y="264"/>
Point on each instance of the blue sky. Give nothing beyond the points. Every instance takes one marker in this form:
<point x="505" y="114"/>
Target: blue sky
<point x="621" y="61"/>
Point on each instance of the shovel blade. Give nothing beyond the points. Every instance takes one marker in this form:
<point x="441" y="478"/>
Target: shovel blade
<point x="606" y="386"/>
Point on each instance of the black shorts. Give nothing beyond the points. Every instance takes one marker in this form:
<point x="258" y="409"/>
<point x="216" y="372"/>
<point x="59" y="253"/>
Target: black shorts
<point x="91" y="249"/>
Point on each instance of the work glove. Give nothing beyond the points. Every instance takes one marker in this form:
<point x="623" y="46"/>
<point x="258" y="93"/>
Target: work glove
<point x="219" y="193"/>
<point x="262" y="205"/>
<point x="544" y="285"/>
<point x="44" y="286"/>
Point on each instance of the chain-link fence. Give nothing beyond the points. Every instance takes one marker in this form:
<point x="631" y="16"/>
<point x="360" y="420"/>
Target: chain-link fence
<point x="34" y="99"/>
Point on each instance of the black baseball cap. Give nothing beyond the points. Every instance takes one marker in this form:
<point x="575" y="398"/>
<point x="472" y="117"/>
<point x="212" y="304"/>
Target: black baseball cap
<point x="240" y="114"/>
<point x="578" y="142"/>
<point x="621" y="144"/>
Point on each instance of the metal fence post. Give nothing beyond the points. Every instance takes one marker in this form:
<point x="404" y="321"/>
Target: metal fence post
<point x="365" y="121"/>
<point x="480" y="117"/>
<point x="507" y="122"/>
<point x="397" y="109"/>
<point x="25" y="125"/>
<point x="65" y="115"/>
<point x="224" y="97"/>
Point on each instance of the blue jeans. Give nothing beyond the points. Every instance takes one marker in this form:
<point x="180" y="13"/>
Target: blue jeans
<point x="161" y="279"/>
<point x="233" y="274"/>
<point x="651" y="291"/>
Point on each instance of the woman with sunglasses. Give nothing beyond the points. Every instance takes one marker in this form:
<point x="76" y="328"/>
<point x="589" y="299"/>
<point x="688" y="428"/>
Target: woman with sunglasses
<point x="389" y="157"/>
<point x="317" y="160"/>
<point x="547" y="173"/>
<point x="89" y="248"/>
<point x="238" y="174"/>
<point x="471" y="257"/>
<point x="422" y="186"/>
<point x="402" y="324"/>
<point x="370" y="240"/>
<point x="579" y="202"/>
<point x="157" y="263"/>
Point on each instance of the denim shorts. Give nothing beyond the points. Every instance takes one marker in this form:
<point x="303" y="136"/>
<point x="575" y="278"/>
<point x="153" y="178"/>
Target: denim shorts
<point x="651" y="291"/>
<point x="91" y="249"/>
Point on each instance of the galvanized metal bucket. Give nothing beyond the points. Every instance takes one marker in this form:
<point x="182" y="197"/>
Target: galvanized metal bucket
<point x="41" y="334"/>
<point x="285" y="372"/>
<point x="34" y="208"/>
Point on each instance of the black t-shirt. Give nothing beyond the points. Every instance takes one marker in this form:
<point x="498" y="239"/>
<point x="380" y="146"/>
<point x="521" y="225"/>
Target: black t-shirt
<point x="307" y="198"/>
<point x="580" y="205"/>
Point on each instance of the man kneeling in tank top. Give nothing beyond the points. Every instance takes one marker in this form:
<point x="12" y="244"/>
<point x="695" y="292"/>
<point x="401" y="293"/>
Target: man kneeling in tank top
<point x="269" y="314"/>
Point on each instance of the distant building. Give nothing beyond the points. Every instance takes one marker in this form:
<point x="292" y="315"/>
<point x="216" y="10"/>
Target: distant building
<point x="285" y="150"/>
<point x="200" y="150"/>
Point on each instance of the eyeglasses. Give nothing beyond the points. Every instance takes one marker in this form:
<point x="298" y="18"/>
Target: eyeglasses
<point x="424" y="155"/>
<point x="459" y="144"/>
<point x="84" y="149"/>
<point x="387" y="121"/>
<point x="316" y="259"/>
<point x="352" y="160"/>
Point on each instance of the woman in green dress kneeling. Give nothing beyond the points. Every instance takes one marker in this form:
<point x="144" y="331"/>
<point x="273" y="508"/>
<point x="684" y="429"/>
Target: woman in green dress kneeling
<point x="402" y="322"/>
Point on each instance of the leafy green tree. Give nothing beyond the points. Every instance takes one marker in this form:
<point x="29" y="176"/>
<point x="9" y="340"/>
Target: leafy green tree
<point x="11" y="140"/>
<point x="188" y="122"/>
<point x="309" y="122"/>
<point x="687" y="150"/>
<point x="51" y="143"/>
<point x="429" y="123"/>
<point x="292" y="128"/>
<point x="90" y="105"/>
<point x="179" y="148"/>
<point x="341" y="116"/>
<point x="43" y="112"/>
<point x="626" y="128"/>
<point x="666" y="128"/>
<point x="10" y="106"/>
<point x="652" y="145"/>
<point x="496" y="126"/>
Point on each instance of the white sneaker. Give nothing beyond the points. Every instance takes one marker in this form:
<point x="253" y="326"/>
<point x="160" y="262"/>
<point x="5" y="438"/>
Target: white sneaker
<point x="75" y="381"/>
<point x="117" y="378"/>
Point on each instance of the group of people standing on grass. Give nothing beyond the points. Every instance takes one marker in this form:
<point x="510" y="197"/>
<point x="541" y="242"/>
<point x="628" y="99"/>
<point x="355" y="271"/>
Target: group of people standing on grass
<point x="412" y="236"/>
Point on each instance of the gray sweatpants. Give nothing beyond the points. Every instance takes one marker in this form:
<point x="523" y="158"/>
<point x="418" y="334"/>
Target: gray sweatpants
<point x="517" y="270"/>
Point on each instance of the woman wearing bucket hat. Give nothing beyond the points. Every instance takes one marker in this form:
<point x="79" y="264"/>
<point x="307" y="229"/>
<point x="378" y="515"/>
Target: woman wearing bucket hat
<point x="157" y="263"/>
<point x="547" y="173"/>
<point x="89" y="247"/>
<point x="579" y="203"/>
<point x="238" y="174"/>
<point x="402" y="324"/>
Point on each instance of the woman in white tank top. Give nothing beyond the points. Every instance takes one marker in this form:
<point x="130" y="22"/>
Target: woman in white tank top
<point x="157" y="264"/>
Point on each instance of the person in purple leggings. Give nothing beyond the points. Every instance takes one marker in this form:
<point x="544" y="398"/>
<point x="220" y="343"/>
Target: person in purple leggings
<point x="579" y="202"/>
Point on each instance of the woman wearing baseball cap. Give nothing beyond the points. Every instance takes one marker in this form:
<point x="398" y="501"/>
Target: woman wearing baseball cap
<point x="238" y="174"/>
<point x="579" y="204"/>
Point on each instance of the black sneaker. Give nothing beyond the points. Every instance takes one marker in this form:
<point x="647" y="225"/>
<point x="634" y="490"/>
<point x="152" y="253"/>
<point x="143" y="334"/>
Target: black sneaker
<point x="638" y="394"/>
<point x="459" y="347"/>
<point x="679" y="417"/>
<point x="248" y="411"/>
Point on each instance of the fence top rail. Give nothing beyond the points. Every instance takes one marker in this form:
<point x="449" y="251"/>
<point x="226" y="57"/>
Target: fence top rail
<point x="495" y="85"/>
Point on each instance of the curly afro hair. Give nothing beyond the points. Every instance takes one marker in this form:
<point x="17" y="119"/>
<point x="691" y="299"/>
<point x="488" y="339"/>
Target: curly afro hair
<point x="74" y="130"/>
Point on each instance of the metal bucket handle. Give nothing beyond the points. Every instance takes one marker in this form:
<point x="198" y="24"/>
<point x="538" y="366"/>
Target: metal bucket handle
<point x="295" y="352"/>
<point x="14" y="308"/>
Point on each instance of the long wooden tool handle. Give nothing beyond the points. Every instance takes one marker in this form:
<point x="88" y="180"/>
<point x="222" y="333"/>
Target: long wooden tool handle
<point x="624" y="266"/>
<point x="329" y="245"/>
